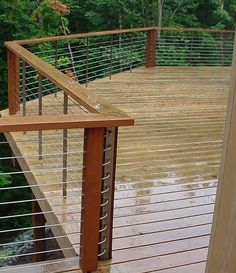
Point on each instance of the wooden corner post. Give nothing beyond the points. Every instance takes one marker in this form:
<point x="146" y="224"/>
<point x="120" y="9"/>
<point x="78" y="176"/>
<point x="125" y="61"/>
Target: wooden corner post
<point x="106" y="226"/>
<point x="222" y="249"/>
<point x="13" y="83"/>
<point x="151" y="48"/>
<point x="91" y="201"/>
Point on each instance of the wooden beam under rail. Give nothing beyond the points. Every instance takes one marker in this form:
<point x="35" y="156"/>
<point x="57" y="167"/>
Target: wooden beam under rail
<point x="112" y="32"/>
<point x="35" y="123"/>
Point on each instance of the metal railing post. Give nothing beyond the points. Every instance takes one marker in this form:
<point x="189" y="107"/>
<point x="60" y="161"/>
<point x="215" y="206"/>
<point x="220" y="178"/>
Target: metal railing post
<point x="111" y="57"/>
<point x="56" y="58"/>
<point x="131" y="55"/>
<point x="106" y="226"/>
<point x="91" y="200"/>
<point x="13" y="83"/>
<point x="87" y="61"/>
<point x="65" y="149"/>
<point x="151" y="48"/>
<point x="24" y="87"/>
<point x="222" y="45"/>
<point x="56" y="53"/>
<point x="40" y="112"/>
<point x="120" y="49"/>
<point x="191" y="48"/>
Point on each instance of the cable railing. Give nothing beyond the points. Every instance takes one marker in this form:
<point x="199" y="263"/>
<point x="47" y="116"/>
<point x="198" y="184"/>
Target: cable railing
<point x="65" y="212"/>
<point x="32" y="226"/>
<point x="188" y="48"/>
<point x="97" y="55"/>
<point x="63" y="138"/>
<point x="90" y="58"/>
<point x="50" y="182"/>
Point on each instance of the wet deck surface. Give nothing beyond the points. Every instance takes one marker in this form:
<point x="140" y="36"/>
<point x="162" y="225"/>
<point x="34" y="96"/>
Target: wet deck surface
<point x="167" y="167"/>
<point x="176" y="143"/>
<point x="179" y="117"/>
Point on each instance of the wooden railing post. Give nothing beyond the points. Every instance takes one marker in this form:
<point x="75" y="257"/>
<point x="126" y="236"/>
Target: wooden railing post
<point x="106" y="226"/>
<point x="91" y="201"/>
<point x="222" y="248"/>
<point x="39" y="233"/>
<point x="151" y="48"/>
<point x="13" y="83"/>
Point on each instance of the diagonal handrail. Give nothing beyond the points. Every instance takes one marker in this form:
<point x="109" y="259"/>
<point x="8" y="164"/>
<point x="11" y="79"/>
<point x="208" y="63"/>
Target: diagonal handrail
<point x="82" y="95"/>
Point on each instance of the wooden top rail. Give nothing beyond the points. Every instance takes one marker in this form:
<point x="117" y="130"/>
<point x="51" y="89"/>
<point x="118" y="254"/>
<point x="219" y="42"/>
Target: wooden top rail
<point x="112" y="32"/>
<point x="79" y="93"/>
<point x="36" y="123"/>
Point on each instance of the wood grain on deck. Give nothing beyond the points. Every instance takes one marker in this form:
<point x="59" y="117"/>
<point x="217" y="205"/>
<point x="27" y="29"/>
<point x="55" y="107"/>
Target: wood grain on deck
<point x="167" y="168"/>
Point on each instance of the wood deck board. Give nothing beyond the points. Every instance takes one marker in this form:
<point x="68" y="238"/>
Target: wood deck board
<point x="167" y="167"/>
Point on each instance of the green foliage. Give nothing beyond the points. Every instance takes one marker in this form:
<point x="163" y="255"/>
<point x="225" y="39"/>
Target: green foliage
<point x="25" y="19"/>
<point x="180" y="13"/>
<point x="49" y="22"/>
<point x="110" y="14"/>
<point x="3" y="256"/>
<point x="6" y="195"/>
<point x="63" y="62"/>
<point x="34" y="18"/>
<point x="5" y="180"/>
<point x="217" y="13"/>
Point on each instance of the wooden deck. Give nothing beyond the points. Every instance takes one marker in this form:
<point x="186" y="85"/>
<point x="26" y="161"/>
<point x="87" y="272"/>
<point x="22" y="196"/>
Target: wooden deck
<point x="167" y="168"/>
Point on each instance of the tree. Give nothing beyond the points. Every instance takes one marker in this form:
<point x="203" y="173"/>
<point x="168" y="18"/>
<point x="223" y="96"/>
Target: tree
<point x="5" y="180"/>
<point x="219" y="14"/>
<point x="21" y="19"/>
<point x="160" y="12"/>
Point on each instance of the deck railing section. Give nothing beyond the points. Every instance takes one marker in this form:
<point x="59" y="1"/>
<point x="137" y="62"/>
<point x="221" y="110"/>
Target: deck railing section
<point x="29" y="230"/>
<point x="194" y="48"/>
<point x="76" y="131"/>
<point x="91" y="148"/>
<point x="88" y="190"/>
<point x="35" y="91"/>
<point x="89" y="58"/>
<point x="36" y="98"/>
<point x="86" y="57"/>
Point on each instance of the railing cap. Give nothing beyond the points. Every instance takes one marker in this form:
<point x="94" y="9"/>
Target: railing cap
<point x="116" y="31"/>
<point x="52" y="122"/>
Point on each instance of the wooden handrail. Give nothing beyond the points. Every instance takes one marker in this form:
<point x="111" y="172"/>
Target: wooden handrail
<point x="196" y="29"/>
<point x="81" y="35"/>
<point x="79" y="93"/>
<point x="35" y="123"/>
<point x="113" y="32"/>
